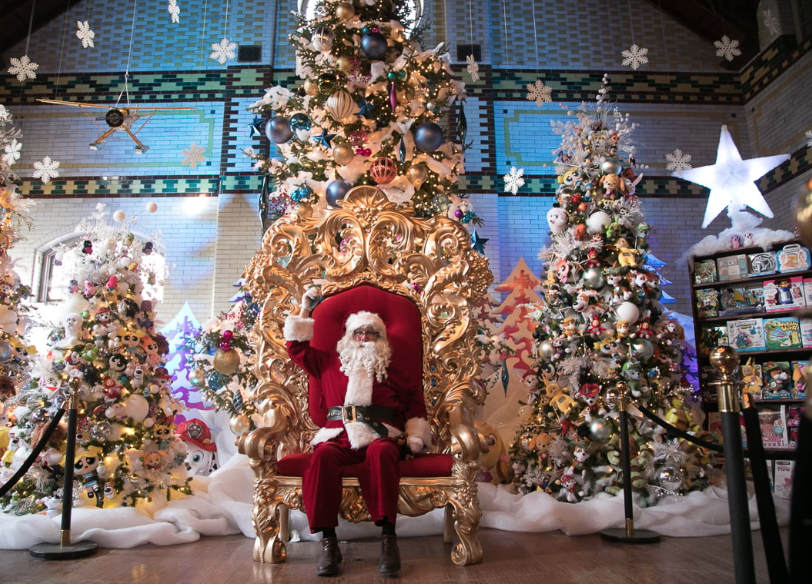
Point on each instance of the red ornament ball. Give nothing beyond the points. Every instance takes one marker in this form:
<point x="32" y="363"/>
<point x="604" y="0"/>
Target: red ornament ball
<point x="228" y="335"/>
<point x="225" y="346"/>
<point x="383" y="170"/>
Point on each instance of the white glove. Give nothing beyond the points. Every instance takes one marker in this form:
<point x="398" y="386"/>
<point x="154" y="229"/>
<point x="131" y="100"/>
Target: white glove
<point x="310" y="298"/>
<point x="415" y="444"/>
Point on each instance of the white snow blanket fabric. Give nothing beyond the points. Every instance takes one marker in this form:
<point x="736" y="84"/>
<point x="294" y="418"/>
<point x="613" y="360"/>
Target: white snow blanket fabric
<point x="221" y="505"/>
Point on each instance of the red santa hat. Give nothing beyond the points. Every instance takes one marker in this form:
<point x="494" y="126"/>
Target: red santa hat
<point x="368" y="319"/>
<point x="196" y="432"/>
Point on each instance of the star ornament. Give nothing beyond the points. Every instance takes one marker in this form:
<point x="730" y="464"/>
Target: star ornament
<point x="731" y="179"/>
<point x="478" y="243"/>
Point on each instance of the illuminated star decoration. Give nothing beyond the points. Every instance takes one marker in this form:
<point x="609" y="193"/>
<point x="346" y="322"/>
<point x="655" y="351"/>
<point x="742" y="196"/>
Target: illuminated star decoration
<point x="731" y="179"/>
<point x="324" y="139"/>
<point x="478" y="243"/>
<point x="256" y="127"/>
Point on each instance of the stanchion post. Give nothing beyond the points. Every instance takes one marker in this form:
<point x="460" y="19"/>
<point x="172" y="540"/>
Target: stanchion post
<point x="65" y="550"/>
<point x="725" y="360"/>
<point x="628" y="534"/>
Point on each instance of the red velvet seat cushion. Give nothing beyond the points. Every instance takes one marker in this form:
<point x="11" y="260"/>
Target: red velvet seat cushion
<point x="422" y="465"/>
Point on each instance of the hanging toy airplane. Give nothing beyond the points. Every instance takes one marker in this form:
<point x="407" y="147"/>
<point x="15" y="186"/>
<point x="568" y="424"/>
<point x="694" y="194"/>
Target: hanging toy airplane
<point x="128" y="118"/>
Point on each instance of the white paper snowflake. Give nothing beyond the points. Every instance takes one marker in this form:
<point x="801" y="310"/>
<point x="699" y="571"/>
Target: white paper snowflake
<point x="11" y="153"/>
<point x="678" y="161"/>
<point x="539" y="93"/>
<point x="808" y="135"/>
<point x="729" y="49"/>
<point x="174" y="10"/>
<point x="46" y="170"/>
<point x="85" y="34"/>
<point x="473" y="68"/>
<point x="194" y="156"/>
<point x="5" y="115"/>
<point x="23" y="68"/>
<point x="770" y="21"/>
<point x="514" y="180"/>
<point x="223" y="51"/>
<point x="635" y="57"/>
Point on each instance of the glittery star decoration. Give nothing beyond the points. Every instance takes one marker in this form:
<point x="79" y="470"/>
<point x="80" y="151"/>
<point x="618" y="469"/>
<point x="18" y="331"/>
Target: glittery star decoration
<point x="256" y="127"/>
<point x="365" y="108"/>
<point x="325" y="138"/>
<point x="731" y="179"/>
<point x="478" y="243"/>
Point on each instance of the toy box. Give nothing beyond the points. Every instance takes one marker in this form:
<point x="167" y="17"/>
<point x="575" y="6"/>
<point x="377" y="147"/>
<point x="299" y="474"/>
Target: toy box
<point x="710" y="338"/>
<point x="792" y="258"/>
<point x="732" y="267"/>
<point x="782" y="478"/>
<point x="762" y="264"/>
<point x="782" y="333"/>
<point x="799" y="379"/>
<point x="736" y="300"/>
<point x="806" y="333"/>
<point x="773" y="427"/>
<point x="808" y="291"/>
<point x="786" y="293"/>
<point x="777" y="380"/>
<point x="707" y="302"/>
<point x="704" y="271"/>
<point x="746" y="334"/>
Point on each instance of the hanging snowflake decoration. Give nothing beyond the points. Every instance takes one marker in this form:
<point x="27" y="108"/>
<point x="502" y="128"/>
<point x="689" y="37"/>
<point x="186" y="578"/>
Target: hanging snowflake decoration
<point x="223" y="51"/>
<point x="473" y="68"/>
<point x="539" y="93"/>
<point x="678" y="161"/>
<point x="514" y="180"/>
<point x="23" y="68"/>
<point x="174" y="10"/>
<point x="194" y="156"/>
<point x="84" y="34"/>
<point x="46" y="170"/>
<point x="727" y="48"/>
<point x="808" y="135"/>
<point x="770" y="21"/>
<point x="635" y="57"/>
<point x="11" y="152"/>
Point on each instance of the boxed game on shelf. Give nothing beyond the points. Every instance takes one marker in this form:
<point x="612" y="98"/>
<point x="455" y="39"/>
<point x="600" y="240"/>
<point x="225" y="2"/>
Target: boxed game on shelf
<point x="738" y="300"/>
<point x="799" y="379"/>
<point x="777" y="380"/>
<point x="762" y="263"/>
<point x="782" y="332"/>
<point x="806" y="332"/>
<point x="783" y="477"/>
<point x="792" y="258"/>
<point x="746" y="334"/>
<point x="705" y="271"/>
<point x="732" y="267"/>
<point x="707" y="302"/>
<point x="712" y="337"/>
<point x="784" y="293"/>
<point x="773" y="425"/>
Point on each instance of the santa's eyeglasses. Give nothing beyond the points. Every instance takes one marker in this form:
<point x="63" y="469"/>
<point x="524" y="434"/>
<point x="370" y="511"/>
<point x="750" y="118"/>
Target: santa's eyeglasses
<point x="360" y="334"/>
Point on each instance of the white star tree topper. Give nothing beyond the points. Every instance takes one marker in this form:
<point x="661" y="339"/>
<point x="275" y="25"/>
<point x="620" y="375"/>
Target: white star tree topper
<point x="731" y="179"/>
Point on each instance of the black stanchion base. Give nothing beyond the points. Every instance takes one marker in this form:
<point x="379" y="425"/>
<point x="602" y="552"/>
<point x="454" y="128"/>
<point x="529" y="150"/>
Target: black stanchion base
<point x="54" y="551"/>
<point x="638" y="535"/>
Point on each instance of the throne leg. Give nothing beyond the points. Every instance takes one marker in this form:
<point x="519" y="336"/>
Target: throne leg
<point x="467" y="513"/>
<point x="448" y="524"/>
<point x="268" y="546"/>
<point x="284" y="523"/>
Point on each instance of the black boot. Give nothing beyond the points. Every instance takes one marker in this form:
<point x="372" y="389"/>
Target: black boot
<point x="389" y="564"/>
<point x="330" y="557"/>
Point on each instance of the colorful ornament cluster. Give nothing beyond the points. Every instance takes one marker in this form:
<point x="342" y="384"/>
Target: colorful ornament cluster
<point x="602" y="333"/>
<point x="107" y="345"/>
<point x="369" y="112"/>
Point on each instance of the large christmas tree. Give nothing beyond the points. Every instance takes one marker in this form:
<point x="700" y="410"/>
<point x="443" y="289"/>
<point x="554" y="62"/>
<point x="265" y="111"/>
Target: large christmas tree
<point x="372" y="109"/>
<point x="601" y="332"/>
<point x="126" y="449"/>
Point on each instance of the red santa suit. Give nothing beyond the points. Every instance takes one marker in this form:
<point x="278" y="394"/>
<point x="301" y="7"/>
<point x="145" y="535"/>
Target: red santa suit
<point x="337" y="444"/>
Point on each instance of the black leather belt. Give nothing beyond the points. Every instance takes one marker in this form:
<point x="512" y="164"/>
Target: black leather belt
<point x="365" y="414"/>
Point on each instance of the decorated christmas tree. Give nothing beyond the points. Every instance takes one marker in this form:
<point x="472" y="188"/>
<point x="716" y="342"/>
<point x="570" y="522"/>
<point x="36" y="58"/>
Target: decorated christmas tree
<point x="126" y="449"/>
<point x="601" y="333"/>
<point x="372" y="109"/>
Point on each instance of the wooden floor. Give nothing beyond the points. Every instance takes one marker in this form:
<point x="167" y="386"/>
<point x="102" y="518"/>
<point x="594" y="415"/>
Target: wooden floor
<point x="510" y="558"/>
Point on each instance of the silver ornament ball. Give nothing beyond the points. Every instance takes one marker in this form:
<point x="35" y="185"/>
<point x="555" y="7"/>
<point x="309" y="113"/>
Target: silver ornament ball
<point x="600" y="429"/>
<point x="642" y="349"/>
<point x="670" y="477"/>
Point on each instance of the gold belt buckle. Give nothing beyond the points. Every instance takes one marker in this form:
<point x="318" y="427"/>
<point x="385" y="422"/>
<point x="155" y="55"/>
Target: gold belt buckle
<point x="349" y="414"/>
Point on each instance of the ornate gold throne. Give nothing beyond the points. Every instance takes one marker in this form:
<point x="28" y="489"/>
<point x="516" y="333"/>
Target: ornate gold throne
<point x="377" y="254"/>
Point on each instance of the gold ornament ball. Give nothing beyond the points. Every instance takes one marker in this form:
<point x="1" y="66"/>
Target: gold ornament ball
<point x="240" y="424"/>
<point x="340" y="104"/>
<point x="226" y="362"/>
<point x="344" y="63"/>
<point x="343" y="153"/>
<point x="311" y="87"/>
<point x="345" y="11"/>
<point x="303" y="210"/>
<point x="417" y="175"/>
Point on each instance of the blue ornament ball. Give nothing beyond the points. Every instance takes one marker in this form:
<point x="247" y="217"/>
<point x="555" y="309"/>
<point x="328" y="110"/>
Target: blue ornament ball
<point x="278" y="130"/>
<point x="373" y="45"/>
<point x="336" y="191"/>
<point x="428" y="137"/>
<point x="301" y="194"/>
<point x="299" y="122"/>
<point x="217" y="380"/>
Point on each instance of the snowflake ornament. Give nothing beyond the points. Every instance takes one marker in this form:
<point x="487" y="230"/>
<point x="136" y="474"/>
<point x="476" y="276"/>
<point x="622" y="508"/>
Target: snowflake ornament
<point x="194" y="156"/>
<point x="514" y="180"/>
<point x="539" y="93"/>
<point x="84" y="34"/>
<point x="46" y="169"/>
<point x="11" y="153"/>
<point x="223" y="51"/>
<point x="23" y="68"/>
<point x="808" y="135"/>
<point x="635" y="57"/>
<point x="473" y="68"/>
<point x="727" y="48"/>
<point x="678" y="161"/>
<point x="770" y="21"/>
<point x="174" y="10"/>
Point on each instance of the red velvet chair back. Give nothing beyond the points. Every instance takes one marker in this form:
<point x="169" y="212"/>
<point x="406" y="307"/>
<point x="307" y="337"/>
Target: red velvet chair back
<point x="403" y="329"/>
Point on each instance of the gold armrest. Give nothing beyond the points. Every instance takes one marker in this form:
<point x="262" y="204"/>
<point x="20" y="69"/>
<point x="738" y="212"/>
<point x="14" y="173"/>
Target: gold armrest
<point x="262" y="443"/>
<point x="466" y="442"/>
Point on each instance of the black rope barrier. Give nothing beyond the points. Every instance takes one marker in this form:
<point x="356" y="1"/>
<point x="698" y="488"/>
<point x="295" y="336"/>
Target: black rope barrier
<point x="677" y="432"/>
<point x="34" y="454"/>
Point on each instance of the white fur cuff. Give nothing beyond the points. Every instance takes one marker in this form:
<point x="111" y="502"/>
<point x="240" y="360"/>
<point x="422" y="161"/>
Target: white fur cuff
<point x="298" y="328"/>
<point x="419" y="427"/>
